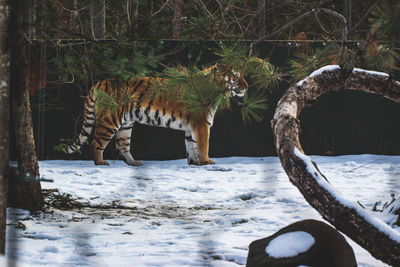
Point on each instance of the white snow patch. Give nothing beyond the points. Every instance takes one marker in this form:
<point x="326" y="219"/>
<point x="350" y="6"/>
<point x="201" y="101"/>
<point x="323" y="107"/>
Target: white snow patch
<point x="180" y="215"/>
<point x="318" y="72"/>
<point x="290" y="244"/>
<point x="388" y="215"/>
<point x="52" y="249"/>
<point x="325" y="68"/>
<point x="371" y="72"/>
<point x="383" y="227"/>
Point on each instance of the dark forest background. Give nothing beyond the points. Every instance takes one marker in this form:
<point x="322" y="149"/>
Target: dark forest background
<point x="70" y="50"/>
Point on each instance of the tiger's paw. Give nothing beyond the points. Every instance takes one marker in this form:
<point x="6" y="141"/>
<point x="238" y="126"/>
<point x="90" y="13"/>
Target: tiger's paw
<point x="101" y="162"/>
<point x="207" y="162"/>
<point x="135" y="163"/>
<point x="193" y="161"/>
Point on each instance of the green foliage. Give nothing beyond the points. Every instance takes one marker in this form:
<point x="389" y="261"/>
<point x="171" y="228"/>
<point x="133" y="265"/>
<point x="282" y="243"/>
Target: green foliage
<point x="123" y="62"/>
<point x="381" y="57"/>
<point x="200" y="29"/>
<point x="258" y="72"/>
<point x="121" y="96"/>
<point x="253" y="105"/>
<point x="105" y="101"/>
<point x="63" y="145"/>
<point x="263" y="74"/>
<point x="387" y="18"/>
<point x="105" y="60"/>
<point x="235" y="55"/>
<point x="305" y="63"/>
<point x="377" y="57"/>
<point x="195" y="89"/>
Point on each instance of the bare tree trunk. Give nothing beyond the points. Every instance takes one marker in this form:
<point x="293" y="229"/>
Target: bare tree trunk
<point x="22" y="194"/>
<point x="132" y="17"/>
<point x="98" y="19"/>
<point x="4" y="119"/>
<point x="378" y="238"/>
<point x="177" y="20"/>
<point x="347" y="14"/>
<point x="261" y="18"/>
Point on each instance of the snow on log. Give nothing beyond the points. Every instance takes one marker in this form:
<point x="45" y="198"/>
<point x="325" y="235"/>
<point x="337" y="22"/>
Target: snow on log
<point x="382" y="241"/>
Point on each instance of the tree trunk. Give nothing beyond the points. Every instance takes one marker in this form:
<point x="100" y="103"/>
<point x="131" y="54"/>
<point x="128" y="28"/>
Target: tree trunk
<point x="347" y="14"/>
<point x="177" y="20"/>
<point x="132" y="17"/>
<point x="22" y="193"/>
<point x="98" y="19"/>
<point x="378" y="238"/>
<point x="4" y="119"/>
<point x="261" y="18"/>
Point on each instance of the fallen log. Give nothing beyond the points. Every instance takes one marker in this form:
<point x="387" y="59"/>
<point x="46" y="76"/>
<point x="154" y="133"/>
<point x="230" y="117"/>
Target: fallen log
<point x="382" y="241"/>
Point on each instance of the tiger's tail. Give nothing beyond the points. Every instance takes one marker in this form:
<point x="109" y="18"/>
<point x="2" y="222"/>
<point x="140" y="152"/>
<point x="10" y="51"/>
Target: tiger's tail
<point x="89" y="119"/>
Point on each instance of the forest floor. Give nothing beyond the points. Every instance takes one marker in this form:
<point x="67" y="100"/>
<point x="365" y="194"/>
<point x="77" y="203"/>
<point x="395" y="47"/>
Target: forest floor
<point x="166" y="213"/>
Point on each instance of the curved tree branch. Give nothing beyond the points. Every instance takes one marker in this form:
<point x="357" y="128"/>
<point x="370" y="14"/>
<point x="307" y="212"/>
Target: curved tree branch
<point x="379" y="239"/>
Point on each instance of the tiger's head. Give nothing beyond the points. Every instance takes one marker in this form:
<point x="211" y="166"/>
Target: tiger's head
<point x="233" y="80"/>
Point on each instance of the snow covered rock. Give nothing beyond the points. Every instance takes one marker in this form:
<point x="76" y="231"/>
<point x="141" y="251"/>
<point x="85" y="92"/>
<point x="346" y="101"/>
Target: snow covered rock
<point x="307" y="242"/>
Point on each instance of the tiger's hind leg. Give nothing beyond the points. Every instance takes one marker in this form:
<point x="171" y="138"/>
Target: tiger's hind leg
<point x="122" y="141"/>
<point x="102" y="136"/>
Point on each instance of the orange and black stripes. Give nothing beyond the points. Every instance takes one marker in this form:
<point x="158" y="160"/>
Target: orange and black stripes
<point x="144" y="108"/>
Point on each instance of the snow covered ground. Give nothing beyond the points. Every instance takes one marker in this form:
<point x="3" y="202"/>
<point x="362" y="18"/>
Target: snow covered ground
<point x="167" y="213"/>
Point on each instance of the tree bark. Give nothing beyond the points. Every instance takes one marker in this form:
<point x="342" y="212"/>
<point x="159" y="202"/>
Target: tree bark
<point x="177" y="26"/>
<point x="98" y="19"/>
<point x="379" y="239"/>
<point x="21" y="193"/>
<point x="4" y="119"/>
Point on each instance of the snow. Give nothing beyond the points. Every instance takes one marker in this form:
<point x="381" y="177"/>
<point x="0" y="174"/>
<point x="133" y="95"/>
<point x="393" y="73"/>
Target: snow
<point x="371" y="72"/>
<point x="325" y="68"/>
<point x="167" y="213"/>
<point x="388" y="215"/>
<point x="378" y="223"/>
<point x="290" y="244"/>
<point x="318" y="72"/>
<point x="335" y="67"/>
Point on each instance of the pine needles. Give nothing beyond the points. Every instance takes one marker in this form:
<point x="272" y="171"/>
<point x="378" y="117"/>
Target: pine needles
<point x="252" y="107"/>
<point x="119" y="97"/>
<point x="381" y="57"/>
<point x="105" y="101"/>
<point x="262" y="76"/>
<point x="306" y="63"/>
<point x="376" y="56"/>
<point x="195" y="89"/>
<point x="259" y="72"/>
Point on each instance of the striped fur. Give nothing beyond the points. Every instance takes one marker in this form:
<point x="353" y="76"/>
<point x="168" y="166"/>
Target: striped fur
<point x="159" y="111"/>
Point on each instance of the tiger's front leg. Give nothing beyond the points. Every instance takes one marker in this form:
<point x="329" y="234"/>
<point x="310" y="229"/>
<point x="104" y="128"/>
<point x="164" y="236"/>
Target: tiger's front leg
<point x="201" y="134"/>
<point x="191" y="149"/>
<point x="122" y="141"/>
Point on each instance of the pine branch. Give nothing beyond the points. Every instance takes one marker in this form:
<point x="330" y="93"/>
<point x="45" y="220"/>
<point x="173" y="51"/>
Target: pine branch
<point x="253" y="106"/>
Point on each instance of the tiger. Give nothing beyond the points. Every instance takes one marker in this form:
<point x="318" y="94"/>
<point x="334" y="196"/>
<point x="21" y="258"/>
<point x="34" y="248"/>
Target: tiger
<point x="162" y="111"/>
